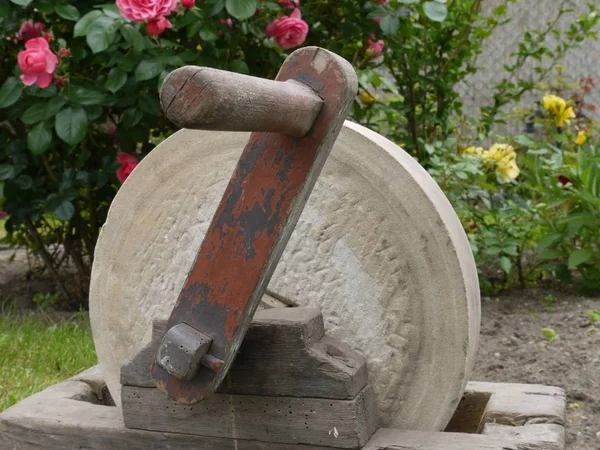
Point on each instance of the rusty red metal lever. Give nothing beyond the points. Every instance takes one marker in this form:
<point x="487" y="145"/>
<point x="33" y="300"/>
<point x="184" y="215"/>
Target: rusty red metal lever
<point x="296" y="120"/>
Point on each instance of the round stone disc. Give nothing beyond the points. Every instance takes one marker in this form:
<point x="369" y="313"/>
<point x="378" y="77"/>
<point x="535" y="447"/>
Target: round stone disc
<point x="378" y="248"/>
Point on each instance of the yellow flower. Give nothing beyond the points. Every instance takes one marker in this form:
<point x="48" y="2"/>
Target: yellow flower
<point x="475" y="151"/>
<point x="559" y="108"/>
<point x="581" y="138"/>
<point x="504" y="158"/>
<point x="366" y="98"/>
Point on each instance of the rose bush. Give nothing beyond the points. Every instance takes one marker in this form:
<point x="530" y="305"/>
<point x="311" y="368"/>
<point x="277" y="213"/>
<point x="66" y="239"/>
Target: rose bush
<point x="79" y="100"/>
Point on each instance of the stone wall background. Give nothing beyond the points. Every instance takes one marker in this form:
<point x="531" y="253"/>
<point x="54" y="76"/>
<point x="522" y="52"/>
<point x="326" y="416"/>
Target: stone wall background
<point x="477" y="90"/>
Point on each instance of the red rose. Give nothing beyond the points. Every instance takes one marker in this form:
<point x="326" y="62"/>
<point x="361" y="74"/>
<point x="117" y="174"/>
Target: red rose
<point x="3" y="215"/>
<point x="188" y="3"/>
<point x="128" y="163"/>
<point x="288" y="31"/>
<point x="30" y="31"/>
<point x="157" y="26"/>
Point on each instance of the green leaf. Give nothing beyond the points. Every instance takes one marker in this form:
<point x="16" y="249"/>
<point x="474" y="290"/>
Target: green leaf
<point x="505" y="264"/>
<point x="5" y="8"/>
<point x="579" y="257"/>
<point x="389" y="24"/>
<point x="112" y="10"/>
<point x="10" y="92"/>
<point x="24" y="182"/>
<point x="7" y="172"/>
<point x="239" y="66"/>
<point x="43" y="111"/>
<point x="150" y="104"/>
<point x="214" y="7"/>
<point x="209" y="34"/>
<point x="100" y="34"/>
<point x="133" y="37"/>
<point x="547" y="240"/>
<point x="83" y="25"/>
<point x="241" y="9"/>
<point x="71" y="125"/>
<point x="435" y="11"/>
<point x="552" y="254"/>
<point x="68" y="12"/>
<point x="39" y="139"/>
<point x="150" y="68"/>
<point x="116" y="80"/>
<point x="21" y="2"/>
<point x="131" y="117"/>
<point x="65" y="211"/>
<point x="85" y="96"/>
<point x="550" y="334"/>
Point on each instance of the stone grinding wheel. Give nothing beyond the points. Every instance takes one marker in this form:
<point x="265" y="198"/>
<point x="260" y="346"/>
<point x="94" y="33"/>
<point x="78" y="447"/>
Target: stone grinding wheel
<point x="378" y="248"/>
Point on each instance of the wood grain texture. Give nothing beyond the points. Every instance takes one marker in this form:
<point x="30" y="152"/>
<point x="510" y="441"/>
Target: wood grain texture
<point x="285" y="353"/>
<point x="522" y="404"/>
<point x="498" y="437"/>
<point x="202" y="98"/>
<point x="68" y="416"/>
<point x="61" y="418"/>
<point x="529" y="437"/>
<point x="311" y="421"/>
<point x="256" y="216"/>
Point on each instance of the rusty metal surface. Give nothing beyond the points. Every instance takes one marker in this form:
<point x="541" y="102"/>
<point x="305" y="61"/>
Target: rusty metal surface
<point x="256" y="216"/>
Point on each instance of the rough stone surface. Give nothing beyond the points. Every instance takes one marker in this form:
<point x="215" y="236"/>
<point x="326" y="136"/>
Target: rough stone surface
<point x="378" y="248"/>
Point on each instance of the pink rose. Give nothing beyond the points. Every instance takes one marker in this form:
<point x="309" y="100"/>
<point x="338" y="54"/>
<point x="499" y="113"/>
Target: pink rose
<point x="64" y="52"/>
<point x="288" y="31"/>
<point x="30" y="30"/>
<point x="188" y="3"/>
<point x="128" y="163"/>
<point x="3" y="215"/>
<point x="37" y="63"/>
<point x="227" y="22"/>
<point x="289" y="3"/>
<point x="140" y="10"/>
<point x="157" y="26"/>
<point x="374" y="48"/>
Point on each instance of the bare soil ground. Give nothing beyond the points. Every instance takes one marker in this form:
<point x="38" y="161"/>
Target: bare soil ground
<point x="512" y="348"/>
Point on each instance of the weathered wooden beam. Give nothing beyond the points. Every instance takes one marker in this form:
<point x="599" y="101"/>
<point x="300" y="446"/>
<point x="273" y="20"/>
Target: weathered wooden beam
<point x="285" y="353"/>
<point x="70" y="415"/>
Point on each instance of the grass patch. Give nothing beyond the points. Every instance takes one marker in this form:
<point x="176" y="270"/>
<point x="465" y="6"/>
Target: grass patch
<point x="38" y="351"/>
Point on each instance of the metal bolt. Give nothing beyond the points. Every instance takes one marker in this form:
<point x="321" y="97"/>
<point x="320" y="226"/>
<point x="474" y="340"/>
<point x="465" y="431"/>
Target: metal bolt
<point x="181" y="350"/>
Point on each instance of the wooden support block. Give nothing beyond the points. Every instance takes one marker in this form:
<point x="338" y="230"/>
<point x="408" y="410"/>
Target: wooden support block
<point x="282" y="345"/>
<point x="286" y="420"/>
<point x="497" y="437"/>
<point x="521" y="404"/>
<point x="70" y="415"/>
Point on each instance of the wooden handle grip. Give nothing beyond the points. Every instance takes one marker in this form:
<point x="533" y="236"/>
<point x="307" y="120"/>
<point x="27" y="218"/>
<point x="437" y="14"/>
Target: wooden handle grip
<point x="209" y="99"/>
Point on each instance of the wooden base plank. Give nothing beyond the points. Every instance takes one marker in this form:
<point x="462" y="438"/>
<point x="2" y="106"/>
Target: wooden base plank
<point x="70" y="415"/>
<point x="314" y="421"/>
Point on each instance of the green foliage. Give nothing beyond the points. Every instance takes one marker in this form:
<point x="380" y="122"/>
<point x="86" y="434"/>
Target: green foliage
<point x="44" y="300"/>
<point x="58" y="145"/>
<point x="594" y="316"/>
<point x="550" y="334"/>
<point x="39" y="351"/>
<point x="427" y="59"/>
